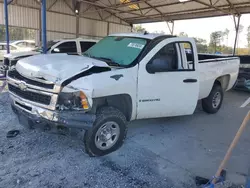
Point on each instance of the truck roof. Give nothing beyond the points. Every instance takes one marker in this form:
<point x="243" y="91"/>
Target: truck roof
<point x="141" y="35"/>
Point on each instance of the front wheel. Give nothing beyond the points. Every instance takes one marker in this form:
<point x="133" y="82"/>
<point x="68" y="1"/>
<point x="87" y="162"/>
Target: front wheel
<point x="213" y="102"/>
<point x="107" y="134"/>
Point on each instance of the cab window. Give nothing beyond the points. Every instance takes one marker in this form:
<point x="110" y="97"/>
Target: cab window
<point x="25" y="44"/>
<point x="169" y="58"/>
<point x="66" y="47"/>
<point x="189" y="54"/>
<point x="4" y="47"/>
<point x="166" y="59"/>
<point x="31" y="44"/>
<point x="21" y="44"/>
<point x="86" y="45"/>
<point x="12" y="48"/>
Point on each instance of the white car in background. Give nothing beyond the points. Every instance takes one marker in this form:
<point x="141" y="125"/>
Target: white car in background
<point x="25" y="45"/>
<point x="69" y="46"/>
<point x="16" y="46"/>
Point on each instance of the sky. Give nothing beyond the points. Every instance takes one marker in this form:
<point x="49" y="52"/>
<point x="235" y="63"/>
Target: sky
<point x="203" y="27"/>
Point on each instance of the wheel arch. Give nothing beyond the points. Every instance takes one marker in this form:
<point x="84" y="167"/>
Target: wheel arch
<point x="122" y="102"/>
<point x="223" y="81"/>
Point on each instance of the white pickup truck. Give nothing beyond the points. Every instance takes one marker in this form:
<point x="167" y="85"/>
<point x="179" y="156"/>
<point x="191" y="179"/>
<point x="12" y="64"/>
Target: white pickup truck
<point x="70" y="46"/>
<point x="122" y="78"/>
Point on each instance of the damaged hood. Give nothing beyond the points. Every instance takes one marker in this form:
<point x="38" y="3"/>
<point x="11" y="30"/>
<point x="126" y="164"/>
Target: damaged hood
<point x="56" y="67"/>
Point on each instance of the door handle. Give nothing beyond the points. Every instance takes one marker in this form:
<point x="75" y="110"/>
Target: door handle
<point x="190" y="80"/>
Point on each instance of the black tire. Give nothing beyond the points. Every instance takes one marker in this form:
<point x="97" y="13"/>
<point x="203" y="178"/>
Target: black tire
<point x="104" y="115"/>
<point x="207" y="103"/>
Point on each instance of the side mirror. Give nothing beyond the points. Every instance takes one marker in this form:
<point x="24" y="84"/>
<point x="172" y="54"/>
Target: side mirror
<point x="56" y="50"/>
<point x="158" y="65"/>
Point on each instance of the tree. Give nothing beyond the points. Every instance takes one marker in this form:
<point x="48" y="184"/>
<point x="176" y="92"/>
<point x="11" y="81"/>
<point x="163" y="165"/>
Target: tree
<point x="248" y="37"/>
<point x="215" y="40"/>
<point x="242" y="51"/>
<point x="200" y="41"/>
<point x="201" y="45"/>
<point x="225" y="49"/>
<point x="226" y="34"/>
<point x="159" y="32"/>
<point x="139" y="29"/>
<point x="241" y="27"/>
<point x="183" y="34"/>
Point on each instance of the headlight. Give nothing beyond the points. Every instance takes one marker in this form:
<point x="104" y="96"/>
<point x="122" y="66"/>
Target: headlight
<point x="84" y="101"/>
<point x="73" y="100"/>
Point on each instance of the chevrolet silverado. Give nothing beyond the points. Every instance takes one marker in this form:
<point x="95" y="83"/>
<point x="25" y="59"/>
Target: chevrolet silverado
<point x="123" y="77"/>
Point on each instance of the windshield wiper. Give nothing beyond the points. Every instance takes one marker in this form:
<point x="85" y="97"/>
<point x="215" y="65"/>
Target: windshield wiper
<point x="109" y="61"/>
<point x="113" y="64"/>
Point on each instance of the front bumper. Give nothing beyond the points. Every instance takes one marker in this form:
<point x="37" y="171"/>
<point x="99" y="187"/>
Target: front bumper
<point x="30" y="115"/>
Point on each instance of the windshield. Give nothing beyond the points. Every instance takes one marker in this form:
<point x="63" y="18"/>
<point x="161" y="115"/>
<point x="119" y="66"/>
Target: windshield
<point x="116" y="50"/>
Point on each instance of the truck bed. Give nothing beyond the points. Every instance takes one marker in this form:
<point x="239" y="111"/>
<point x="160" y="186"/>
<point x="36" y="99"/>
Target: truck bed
<point x="243" y="79"/>
<point x="203" y="57"/>
<point x="212" y="69"/>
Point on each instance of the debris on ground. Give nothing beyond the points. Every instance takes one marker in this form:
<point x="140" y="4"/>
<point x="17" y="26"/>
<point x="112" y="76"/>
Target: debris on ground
<point x="168" y="158"/>
<point x="228" y="184"/>
<point x="12" y="133"/>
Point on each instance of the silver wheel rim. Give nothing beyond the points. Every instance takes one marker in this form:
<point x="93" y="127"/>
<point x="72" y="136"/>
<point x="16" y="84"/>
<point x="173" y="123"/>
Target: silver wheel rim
<point x="107" y="135"/>
<point x="216" y="100"/>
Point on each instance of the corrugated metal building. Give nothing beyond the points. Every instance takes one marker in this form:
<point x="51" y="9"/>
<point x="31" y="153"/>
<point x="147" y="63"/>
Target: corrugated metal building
<point x="97" y="18"/>
<point x="62" y="21"/>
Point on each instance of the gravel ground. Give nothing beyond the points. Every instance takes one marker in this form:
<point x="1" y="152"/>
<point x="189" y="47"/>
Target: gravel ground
<point x="43" y="159"/>
<point x="38" y="158"/>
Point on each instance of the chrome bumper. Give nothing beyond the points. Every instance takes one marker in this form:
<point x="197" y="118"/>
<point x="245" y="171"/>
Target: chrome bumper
<point x="37" y="115"/>
<point x="33" y="109"/>
<point x="34" y="89"/>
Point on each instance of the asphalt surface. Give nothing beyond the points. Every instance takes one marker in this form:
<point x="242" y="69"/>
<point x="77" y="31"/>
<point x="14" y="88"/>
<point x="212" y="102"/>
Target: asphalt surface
<point x="165" y="152"/>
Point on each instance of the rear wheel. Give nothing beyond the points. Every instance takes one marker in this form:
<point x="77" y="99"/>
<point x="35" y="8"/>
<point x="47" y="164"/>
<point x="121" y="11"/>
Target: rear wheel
<point x="213" y="102"/>
<point x="107" y="134"/>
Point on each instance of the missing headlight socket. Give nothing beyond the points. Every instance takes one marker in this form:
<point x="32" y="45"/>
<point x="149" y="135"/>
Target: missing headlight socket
<point x="72" y="101"/>
<point x="69" y="101"/>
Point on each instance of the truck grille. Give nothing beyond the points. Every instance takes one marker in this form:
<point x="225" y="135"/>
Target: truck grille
<point x="15" y="75"/>
<point x="31" y="96"/>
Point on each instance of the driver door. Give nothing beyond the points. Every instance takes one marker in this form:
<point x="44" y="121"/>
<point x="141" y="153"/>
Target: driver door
<point x="173" y="89"/>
